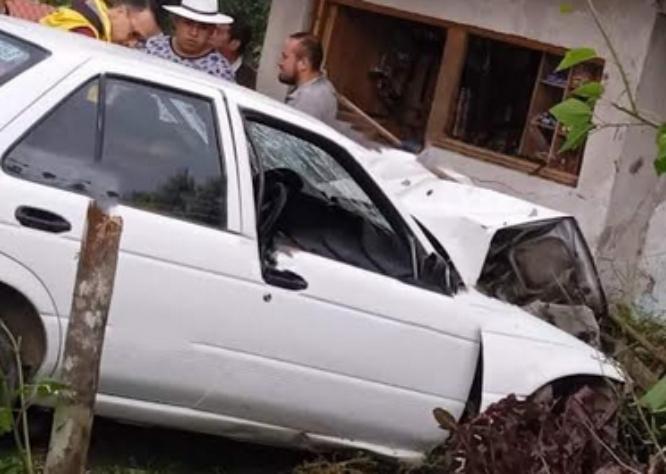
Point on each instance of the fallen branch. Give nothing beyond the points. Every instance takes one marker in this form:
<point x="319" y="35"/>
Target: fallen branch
<point x="638" y="337"/>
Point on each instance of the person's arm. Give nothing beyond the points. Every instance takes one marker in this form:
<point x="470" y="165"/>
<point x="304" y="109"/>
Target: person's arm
<point x="3" y="7"/>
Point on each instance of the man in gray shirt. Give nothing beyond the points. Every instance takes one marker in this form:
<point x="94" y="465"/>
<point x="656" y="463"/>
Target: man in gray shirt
<point x="300" y="68"/>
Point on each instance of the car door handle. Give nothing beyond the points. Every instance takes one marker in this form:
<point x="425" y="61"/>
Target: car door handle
<point x="42" y="219"/>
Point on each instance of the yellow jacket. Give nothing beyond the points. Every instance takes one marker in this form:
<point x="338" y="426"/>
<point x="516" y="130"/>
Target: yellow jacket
<point x="70" y="19"/>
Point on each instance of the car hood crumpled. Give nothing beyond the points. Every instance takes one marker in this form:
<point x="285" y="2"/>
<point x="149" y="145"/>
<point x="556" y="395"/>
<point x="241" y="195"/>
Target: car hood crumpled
<point x="521" y="352"/>
<point x="462" y="217"/>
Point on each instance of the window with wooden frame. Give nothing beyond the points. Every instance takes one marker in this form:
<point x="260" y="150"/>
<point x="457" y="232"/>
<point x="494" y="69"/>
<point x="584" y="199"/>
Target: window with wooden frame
<point x="479" y="93"/>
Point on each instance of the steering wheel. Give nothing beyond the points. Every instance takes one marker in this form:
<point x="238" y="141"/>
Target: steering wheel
<point x="279" y="185"/>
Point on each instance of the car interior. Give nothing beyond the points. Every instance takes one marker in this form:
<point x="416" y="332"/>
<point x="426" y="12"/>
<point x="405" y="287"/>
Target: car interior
<point x="308" y="201"/>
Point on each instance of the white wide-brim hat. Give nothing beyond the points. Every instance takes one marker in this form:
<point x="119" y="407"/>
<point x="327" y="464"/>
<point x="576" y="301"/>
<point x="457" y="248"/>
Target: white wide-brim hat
<point x="204" y="11"/>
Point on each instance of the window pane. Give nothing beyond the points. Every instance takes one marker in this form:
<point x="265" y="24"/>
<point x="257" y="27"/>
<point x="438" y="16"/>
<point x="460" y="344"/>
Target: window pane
<point x="59" y="150"/>
<point x="321" y="172"/>
<point x="16" y="56"/>
<point x="161" y="153"/>
<point x="495" y="93"/>
<point x="329" y="214"/>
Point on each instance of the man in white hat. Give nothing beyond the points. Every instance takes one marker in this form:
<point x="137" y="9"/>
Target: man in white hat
<point x="194" y="23"/>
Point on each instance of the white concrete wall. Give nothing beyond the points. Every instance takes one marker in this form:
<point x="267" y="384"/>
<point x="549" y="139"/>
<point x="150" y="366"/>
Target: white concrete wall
<point x="630" y="26"/>
<point x="636" y="229"/>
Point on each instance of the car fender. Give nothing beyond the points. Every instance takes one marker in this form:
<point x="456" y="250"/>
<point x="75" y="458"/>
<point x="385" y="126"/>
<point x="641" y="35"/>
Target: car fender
<point x="23" y="280"/>
<point x="26" y="282"/>
<point x="513" y="364"/>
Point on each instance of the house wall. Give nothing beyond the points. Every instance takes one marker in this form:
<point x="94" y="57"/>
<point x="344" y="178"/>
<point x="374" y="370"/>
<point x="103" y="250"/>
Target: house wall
<point x="636" y="228"/>
<point x="611" y="168"/>
<point x="286" y="17"/>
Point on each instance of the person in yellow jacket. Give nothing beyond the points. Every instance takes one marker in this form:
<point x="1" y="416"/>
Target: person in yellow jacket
<point x="120" y="21"/>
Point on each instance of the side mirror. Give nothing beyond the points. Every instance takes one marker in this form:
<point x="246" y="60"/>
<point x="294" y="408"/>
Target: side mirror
<point x="436" y="273"/>
<point x="284" y="279"/>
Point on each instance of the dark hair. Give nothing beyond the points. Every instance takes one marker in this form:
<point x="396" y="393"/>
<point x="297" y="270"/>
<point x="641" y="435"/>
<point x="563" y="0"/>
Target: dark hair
<point x="242" y="32"/>
<point x="133" y="4"/>
<point x="310" y="48"/>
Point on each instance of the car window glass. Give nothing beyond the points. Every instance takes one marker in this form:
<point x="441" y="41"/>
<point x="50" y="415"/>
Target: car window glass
<point x="323" y="174"/>
<point x="310" y="202"/>
<point x="16" y="56"/>
<point x="60" y="149"/>
<point x="161" y="152"/>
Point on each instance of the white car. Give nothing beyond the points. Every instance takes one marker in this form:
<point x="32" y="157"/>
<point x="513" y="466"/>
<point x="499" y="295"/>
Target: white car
<point x="276" y="282"/>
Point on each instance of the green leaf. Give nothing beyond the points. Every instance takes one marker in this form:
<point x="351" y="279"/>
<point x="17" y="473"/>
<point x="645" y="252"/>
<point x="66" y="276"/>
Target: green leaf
<point x="11" y="464"/>
<point x="576" y="56"/>
<point x="590" y="90"/>
<point x="576" y="137"/>
<point x="47" y="388"/>
<point x="6" y="420"/>
<point x="660" y="166"/>
<point x="655" y="399"/>
<point x="566" y="8"/>
<point x="660" y="162"/>
<point x="573" y="113"/>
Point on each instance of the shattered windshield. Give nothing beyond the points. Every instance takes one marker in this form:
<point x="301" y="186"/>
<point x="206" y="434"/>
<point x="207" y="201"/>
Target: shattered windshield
<point x="322" y="173"/>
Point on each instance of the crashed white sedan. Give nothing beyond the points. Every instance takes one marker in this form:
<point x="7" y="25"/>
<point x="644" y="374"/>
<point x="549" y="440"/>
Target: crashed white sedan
<point x="276" y="282"/>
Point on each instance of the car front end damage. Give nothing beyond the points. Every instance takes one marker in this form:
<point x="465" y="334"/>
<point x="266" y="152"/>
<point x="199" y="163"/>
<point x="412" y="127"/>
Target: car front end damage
<point x="546" y="268"/>
<point x="509" y="249"/>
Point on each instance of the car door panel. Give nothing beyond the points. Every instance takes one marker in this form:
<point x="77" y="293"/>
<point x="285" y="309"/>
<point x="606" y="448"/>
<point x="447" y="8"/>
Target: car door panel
<point x="324" y="359"/>
<point x="170" y="285"/>
<point x="321" y="402"/>
<point x="179" y="265"/>
<point x="169" y="270"/>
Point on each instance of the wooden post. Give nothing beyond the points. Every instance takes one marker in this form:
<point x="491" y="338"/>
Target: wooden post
<point x="73" y="417"/>
<point x="448" y="82"/>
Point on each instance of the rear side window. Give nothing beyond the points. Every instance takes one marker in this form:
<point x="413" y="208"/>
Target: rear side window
<point x="149" y="147"/>
<point x="16" y="56"/>
<point x="60" y="150"/>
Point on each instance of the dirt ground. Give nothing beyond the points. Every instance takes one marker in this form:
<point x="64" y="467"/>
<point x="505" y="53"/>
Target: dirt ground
<point x="124" y="449"/>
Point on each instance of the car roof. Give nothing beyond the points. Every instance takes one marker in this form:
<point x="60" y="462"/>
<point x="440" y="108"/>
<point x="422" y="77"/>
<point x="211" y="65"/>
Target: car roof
<point x="80" y="48"/>
<point x="77" y="49"/>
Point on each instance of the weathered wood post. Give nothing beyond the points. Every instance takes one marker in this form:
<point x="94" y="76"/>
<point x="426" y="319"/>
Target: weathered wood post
<point x="73" y="417"/>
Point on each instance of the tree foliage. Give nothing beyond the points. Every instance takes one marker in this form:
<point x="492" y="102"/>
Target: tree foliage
<point x="255" y="14"/>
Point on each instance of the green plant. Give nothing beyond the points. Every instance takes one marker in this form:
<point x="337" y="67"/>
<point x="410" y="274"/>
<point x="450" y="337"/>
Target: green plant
<point x="17" y="397"/>
<point x="255" y="14"/>
<point x="576" y="113"/>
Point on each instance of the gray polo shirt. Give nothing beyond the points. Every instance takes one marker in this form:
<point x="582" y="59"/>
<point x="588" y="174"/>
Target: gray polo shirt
<point x="316" y="98"/>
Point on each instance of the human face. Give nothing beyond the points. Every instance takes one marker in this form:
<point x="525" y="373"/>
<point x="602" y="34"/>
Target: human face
<point x="122" y="30"/>
<point x="192" y="38"/>
<point x="290" y="64"/>
<point x="144" y="23"/>
<point x="221" y="38"/>
<point x="224" y="43"/>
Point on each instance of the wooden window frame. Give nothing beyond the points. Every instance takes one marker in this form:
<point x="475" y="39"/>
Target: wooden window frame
<point x="452" y="65"/>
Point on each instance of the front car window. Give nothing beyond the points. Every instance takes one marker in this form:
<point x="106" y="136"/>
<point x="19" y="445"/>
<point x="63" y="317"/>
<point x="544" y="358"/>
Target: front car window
<point x="323" y="174"/>
<point x="319" y="207"/>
